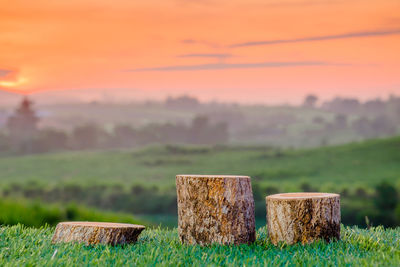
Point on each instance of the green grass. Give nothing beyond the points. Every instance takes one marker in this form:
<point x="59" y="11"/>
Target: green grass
<point x="20" y="246"/>
<point x="171" y="220"/>
<point x="36" y="214"/>
<point x="350" y="165"/>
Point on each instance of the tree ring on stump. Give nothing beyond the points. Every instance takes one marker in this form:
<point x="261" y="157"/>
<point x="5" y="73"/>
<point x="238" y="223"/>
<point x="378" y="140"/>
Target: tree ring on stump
<point x="303" y="217"/>
<point x="302" y="195"/>
<point x="92" y="233"/>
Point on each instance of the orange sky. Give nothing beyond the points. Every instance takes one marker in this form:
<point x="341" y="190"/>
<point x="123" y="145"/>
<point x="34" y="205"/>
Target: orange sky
<point x="230" y="50"/>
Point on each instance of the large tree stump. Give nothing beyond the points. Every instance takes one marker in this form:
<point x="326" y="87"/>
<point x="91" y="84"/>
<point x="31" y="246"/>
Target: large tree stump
<point x="215" y="209"/>
<point x="303" y="217"/>
<point x="92" y="233"/>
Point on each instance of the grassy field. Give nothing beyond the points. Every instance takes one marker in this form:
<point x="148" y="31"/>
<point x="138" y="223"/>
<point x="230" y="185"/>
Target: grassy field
<point x="142" y="182"/>
<point x="21" y="246"/>
<point x="363" y="164"/>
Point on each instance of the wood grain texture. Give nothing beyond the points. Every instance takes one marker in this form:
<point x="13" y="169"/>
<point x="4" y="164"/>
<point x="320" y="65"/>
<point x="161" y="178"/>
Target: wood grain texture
<point x="215" y="209"/>
<point x="303" y="217"/>
<point x="92" y="233"/>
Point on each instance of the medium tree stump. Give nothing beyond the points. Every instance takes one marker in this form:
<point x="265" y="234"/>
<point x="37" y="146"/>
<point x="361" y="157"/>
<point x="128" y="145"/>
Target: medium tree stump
<point x="215" y="209"/>
<point x="92" y="233"/>
<point x="303" y="217"/>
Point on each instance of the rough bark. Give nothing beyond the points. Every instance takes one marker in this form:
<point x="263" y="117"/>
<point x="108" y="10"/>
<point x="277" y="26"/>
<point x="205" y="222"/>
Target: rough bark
<point x="92" y="233"/>
<point x="215" y="209"/>
<point x="303" y="217"/>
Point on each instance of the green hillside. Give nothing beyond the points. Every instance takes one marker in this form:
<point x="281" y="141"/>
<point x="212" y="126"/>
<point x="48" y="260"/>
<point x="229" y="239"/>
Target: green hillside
<point x="364" y="163"/>
<point x="142" y="182"/>
<point x="21" y="246"/>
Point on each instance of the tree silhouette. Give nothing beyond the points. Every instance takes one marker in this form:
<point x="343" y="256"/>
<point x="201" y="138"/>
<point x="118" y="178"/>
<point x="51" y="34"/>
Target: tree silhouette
<point x="310" y="101"/>
<point x="22" y="126"/>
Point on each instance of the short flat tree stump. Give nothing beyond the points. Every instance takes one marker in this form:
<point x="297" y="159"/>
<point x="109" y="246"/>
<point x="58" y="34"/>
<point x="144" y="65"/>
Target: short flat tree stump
<point x="215" y="209"/>
<point x="92" y="233"/>
<point x="303" y="217"/>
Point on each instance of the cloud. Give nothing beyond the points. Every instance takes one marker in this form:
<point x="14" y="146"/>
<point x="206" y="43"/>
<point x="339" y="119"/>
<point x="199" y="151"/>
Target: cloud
<point x="4" y="72"/>
<point x="207" y="55"/>
<point x="189" y="41"/>
<point x="196" y="2"/>
<point x="199" y="42"/>
<point x="320" y="38"/>
<point x="393" y="21"/>
<point x="306" y="3"/>
<point x="224" y="66"/>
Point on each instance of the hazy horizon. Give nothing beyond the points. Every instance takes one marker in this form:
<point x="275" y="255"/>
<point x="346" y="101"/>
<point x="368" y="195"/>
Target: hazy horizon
<point x="135" y="96"/>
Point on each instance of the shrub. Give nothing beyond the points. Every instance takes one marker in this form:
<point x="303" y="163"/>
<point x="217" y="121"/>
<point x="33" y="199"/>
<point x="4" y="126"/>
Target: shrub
<point x="36" y="214"/>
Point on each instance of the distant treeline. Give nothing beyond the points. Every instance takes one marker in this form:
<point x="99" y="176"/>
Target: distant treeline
<point x="93" y="136"/>
<point x="379" y="206"/>
<point x="335" y="121"/>
<point x="373" y="118"/>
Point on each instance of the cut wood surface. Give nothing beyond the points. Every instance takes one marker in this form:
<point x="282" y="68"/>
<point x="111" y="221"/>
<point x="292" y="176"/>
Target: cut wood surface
<point x="303" y="217"/>
<point x="215" y="209"/>
<point x="92" y="233"/>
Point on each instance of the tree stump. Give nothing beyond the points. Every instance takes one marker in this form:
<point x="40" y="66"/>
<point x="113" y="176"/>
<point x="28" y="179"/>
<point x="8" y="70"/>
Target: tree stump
<point x="215" y="209"/>
<point x="303" y="217"/>
<point x="92" y="233"/>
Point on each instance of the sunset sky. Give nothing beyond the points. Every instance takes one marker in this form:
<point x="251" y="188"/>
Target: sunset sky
<point x="272" y="51"/>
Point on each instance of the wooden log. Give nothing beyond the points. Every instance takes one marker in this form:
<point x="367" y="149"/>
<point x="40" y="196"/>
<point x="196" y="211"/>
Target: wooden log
<point x="303" y="217"/>
<point x="92" y="233"/>
<point x="215" y="209"/>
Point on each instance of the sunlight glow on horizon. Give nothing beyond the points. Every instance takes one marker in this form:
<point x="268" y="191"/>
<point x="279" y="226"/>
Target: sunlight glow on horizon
<point x="13" y="84"/>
